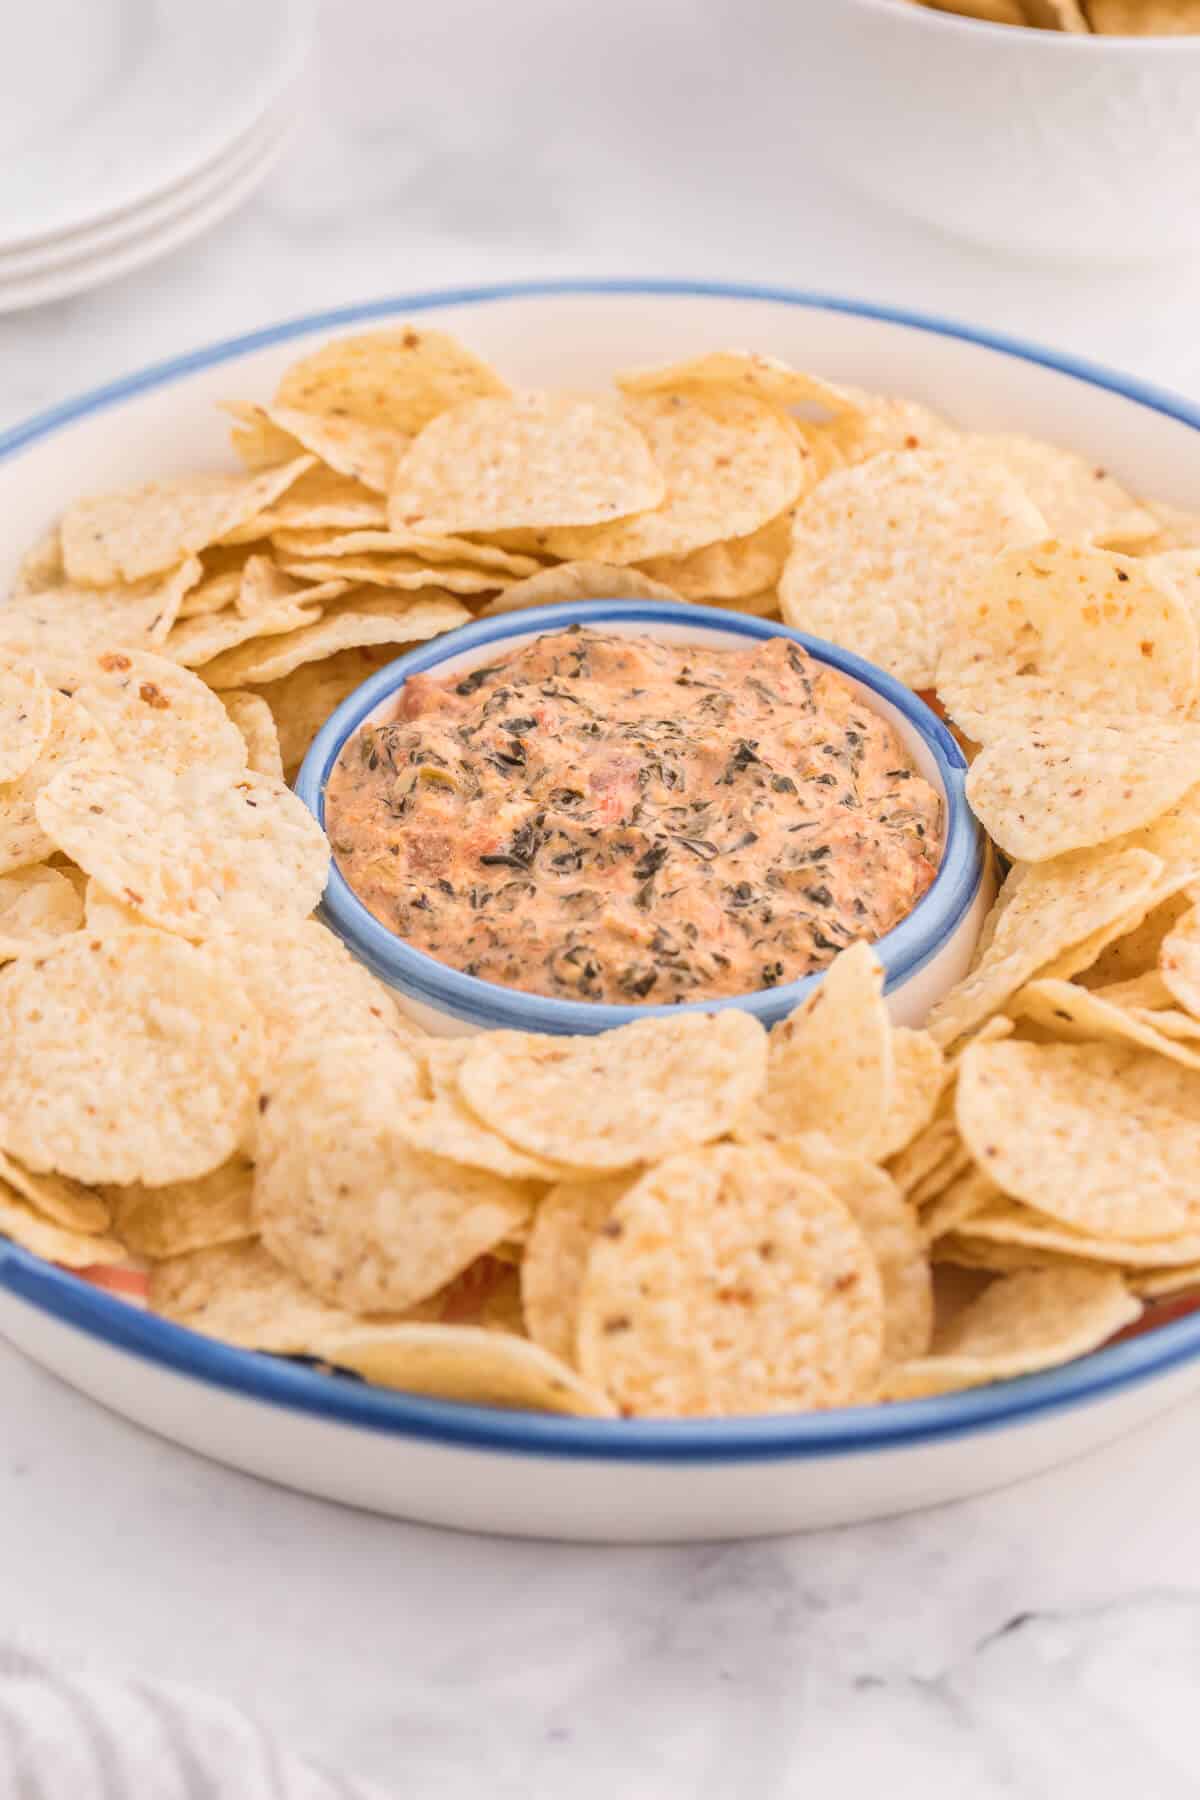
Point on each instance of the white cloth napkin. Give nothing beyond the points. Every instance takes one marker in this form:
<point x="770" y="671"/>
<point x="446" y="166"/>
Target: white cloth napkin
<point x="71" y="1735"/>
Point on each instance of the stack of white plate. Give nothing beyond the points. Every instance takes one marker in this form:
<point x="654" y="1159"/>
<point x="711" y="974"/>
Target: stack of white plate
<point x="128" y="126"/>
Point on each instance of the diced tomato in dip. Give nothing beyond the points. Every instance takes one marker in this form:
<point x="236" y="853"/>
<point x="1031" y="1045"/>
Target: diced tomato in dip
<point x="620" y="819"/>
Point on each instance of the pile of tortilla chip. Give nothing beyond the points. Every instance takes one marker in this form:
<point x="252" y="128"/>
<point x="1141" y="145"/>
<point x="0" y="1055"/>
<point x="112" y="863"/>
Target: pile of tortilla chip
<point x="1071" y="1141"/>
<point x="686" y="1217"/>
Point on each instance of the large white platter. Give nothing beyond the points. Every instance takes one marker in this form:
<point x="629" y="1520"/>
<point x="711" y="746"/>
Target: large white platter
<point x="487" y="1470"/>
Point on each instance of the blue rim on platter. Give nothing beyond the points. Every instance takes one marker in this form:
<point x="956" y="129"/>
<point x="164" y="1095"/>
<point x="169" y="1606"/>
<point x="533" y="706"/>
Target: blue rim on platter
<point x="903" y="951"/>
<point x="800" y="1436"/>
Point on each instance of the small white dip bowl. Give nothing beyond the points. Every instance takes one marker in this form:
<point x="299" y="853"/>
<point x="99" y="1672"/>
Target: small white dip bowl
<point x="923" y="956"/>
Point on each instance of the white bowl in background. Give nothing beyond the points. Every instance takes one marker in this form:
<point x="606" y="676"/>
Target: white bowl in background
<point x="1036" y="143"/>
<point x="481" y="1468"/>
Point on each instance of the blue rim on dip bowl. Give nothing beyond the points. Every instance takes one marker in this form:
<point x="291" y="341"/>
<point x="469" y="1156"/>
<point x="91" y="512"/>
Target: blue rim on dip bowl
<point x="923" y="956"/>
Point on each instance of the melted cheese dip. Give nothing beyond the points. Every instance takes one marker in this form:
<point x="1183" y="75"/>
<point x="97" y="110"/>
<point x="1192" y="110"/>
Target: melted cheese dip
<point x="619" y="819"/>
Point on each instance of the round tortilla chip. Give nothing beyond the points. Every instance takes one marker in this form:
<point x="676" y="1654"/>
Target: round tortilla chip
<point x="437" y="1119"/>
<point x="102" y="915"/>
<point x="970" y="1193"/>
<point x="367" y="618"/>
<point x="730" y="464"/>
<point x="755" y="606"/>
<point x="386" y="579"/>
<point x="1061" y="784"/>
<point x="466" y="1363"/>
<point x="1099" y="1136"/>
<point x="880" y="551"/>
<point x="1179" y="1026"/>
<point x="1079" y="1015"/>
<point x="160" y="715"/>
<point x="240" y="1294"/>
<point x="401" y="377"/>
<point x="1177" y="530"/>
<point x="198" y="643"/>
<point x="302" y="701"/>
<point x="60" y="629"/>
<point x="54" y="1243"/>
<point x="918" y="1077"/>
<point x="889" y="1225"/>
<point x="41" y="567"/>
<point x="928" y="1151"/>
<point x="68" y="1203"/>
<point x="1066" y="631"/>
<point x="1005" y="1221"/>
<point x="883" y="422"/>
<point x="351" y="447"/>
<point x="1133" y="948"/>
<point x="1144" y="18"/>
<point x="728" y="1282"/>
<point x="1157" y="1284"/>
<point x="627" y="1096"/>
<point x="304" y="984"/>
<point x="926" y="1194"/>
<point x="157" y="1222"/>
<point x="255" y="721"/>
<point x="534" y="460"/>
<point x="24" y="718"/>
<point x="1043" y="913"/>
<point x="1130" y="948"/>
<point x="1080" y="502"/>
<point x="186" y="855"/>
<point x="552" y="1269"/>
<point x="74" y="740"/>
<point x="578" y="581"/>
<point x="128" y="1058"/>
<point x="830" y="1065"/>
<point x="1147" y="992"/>
<point x="958" y="1249"/>
<point x="343" y="1201"/>
<point x="261" y="444"/>
<point x="1179" y="569"/>
<point x="419" y="546"/>
<point x="744" y="372"/>
<point x="37" y="905"/>
<point x="141" y="531"/>
<point x="487" y="1294"/>
<point x="732" y="570"/>
<point x="1179" y="961"/>
<point x="1035" y="1319"/>
<point x="212" y="596"/>
<point x="265" y="587"/>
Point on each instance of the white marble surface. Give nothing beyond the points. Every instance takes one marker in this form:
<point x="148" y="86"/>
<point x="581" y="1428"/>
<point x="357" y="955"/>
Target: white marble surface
<point x="1039" y="1642"/>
